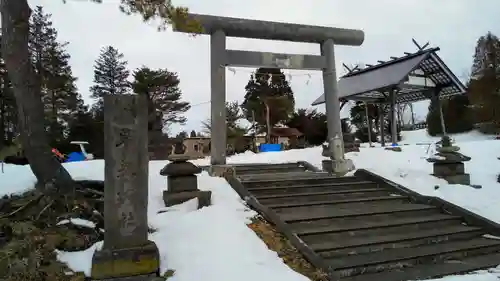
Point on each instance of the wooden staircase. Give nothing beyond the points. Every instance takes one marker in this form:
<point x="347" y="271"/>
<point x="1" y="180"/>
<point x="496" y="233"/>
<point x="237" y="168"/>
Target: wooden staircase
<point x="360" y="230"/>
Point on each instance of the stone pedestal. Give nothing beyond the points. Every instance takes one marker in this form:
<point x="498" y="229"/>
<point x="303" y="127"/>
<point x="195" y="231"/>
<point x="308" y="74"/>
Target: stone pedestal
<point x="337" y="164"/>
<point x="448" y="163"/>
<point x="337" y="167"/>
<point x="221" y="171"/>
<point x="126" y="251"/>
<point x="183" y="183"/>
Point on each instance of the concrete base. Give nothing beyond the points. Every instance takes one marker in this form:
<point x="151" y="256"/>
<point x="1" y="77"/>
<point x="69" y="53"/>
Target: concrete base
<point x="457" y="179"/>
<point x="337" y="167"/>
<point x="109" y="264"/>
<point x="204" y="197"/>
<point x="448" y="169"/>
<point x="221" y="171"/>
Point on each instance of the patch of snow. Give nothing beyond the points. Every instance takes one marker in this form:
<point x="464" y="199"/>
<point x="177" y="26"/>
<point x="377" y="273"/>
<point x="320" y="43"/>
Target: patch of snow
<point x="214" y="243"/>
<point x="78" y="221"/>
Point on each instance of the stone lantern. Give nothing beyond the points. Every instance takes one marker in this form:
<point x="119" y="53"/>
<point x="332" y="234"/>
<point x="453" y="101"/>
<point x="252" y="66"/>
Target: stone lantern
<point x="182" y="180"/>
<point x="448" y="163"/>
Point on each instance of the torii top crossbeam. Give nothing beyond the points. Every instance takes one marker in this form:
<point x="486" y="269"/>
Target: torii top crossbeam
<point x="414" y="77"/>
<point x="259" y="29"/>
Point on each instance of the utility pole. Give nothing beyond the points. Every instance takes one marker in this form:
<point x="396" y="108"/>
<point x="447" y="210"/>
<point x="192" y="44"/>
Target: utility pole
<point x="254" y="144"/>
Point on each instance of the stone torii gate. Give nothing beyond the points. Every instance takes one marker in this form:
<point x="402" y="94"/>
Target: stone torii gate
<point x="220" y="27"/>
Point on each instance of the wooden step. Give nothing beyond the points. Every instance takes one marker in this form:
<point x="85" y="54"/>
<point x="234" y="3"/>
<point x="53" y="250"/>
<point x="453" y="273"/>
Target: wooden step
<point x="301" y="197"/>
<point x="264" y="166"/>
<point x="368" y="220"/>
<point x="341" y="213"/>
<point x="309" y="188"/>
<point x="284" y="179"/>
<point x="338" y="202"/>
<point x="435" y="270"/>
<point x="374" y="248"/>
<point x="367" y="206"/>
<point x="367" y="225"/>
<point x="332" y="244"/>
<point x="408" y="257"/>
<point x="266" y="171"/>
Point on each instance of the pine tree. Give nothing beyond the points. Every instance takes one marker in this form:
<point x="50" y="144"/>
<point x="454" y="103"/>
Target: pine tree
<point x="233" y="115"/>
<point x="359" y="120"/>
<point x="51" y="61"/>
<point x="15" y="45"/>
<point x="8" y="110"/>
<point x="269" y="98"/>
<point x="164" y="99"/>
<point x="484" y="87"/>
<point x="110" y="76"/>
<point x="311" y="123"/>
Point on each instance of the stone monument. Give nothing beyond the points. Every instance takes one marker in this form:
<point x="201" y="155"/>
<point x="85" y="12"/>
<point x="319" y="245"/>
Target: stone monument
<point x="182" y="180"/>
<point x="127" y="252"/>
<point x="448" y="163"/>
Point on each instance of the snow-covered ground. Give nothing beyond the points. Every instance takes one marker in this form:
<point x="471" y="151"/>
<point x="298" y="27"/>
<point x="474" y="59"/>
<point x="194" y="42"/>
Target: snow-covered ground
<point x="214" y="243"/>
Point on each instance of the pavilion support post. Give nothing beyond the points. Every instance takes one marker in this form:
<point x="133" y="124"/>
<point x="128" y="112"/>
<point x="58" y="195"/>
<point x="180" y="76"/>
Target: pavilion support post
<point x="337" y="163"/>
<point x="369" y="125"/>
<point x="381" y="124"/>
<point x="393" y="118"/>
<point x="439" y="104"/>
<point x="218" y="99"/>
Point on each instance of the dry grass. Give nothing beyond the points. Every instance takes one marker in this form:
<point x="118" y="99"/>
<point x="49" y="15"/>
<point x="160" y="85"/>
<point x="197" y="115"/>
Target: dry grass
<point x="280" y="244"/>
<point x="29" y="236"/>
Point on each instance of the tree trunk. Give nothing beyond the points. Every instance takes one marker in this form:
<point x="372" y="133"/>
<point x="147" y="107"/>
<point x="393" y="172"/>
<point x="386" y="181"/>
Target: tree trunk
<point x="15" y="33"/>
<point x="268" y="122"/>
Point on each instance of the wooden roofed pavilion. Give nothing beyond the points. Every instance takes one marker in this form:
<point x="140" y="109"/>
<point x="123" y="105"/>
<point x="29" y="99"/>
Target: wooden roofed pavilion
<point x="411" y="78"/>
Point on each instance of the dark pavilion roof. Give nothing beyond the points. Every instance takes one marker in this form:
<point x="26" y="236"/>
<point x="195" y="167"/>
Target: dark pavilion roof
<point x="374" y="83"/>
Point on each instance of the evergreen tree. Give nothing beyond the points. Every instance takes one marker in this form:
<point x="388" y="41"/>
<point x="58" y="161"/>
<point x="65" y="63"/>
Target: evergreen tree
<point x="269" y="98"/>
<point x="311" y="123"/>
<point x="51" y="62"/>
<point x="456" y="116"/>
<point x="164" y="99"/>
<point x="192" y="134"/>
<point x="15" y="16"/>
<point x="233" y="115"/>
<point x="484" y="87"/>
<point x="110" y="76"/>
<point x="360" y="121"/>
<point x="8" y="110"/>
<point x="182" y="135"/>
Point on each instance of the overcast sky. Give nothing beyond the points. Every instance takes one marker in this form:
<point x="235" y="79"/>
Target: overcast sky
<point x="389" y="25"/>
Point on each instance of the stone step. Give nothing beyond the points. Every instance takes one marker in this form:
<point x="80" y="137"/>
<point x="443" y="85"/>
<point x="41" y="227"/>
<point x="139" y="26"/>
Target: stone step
<point x="302" y="197"/>
<point x="407" y="257"/>
<point x="270" y="170"/>
<point x="366" y="221"/>
<point x="435" y="270"/>
<point x="343" y="241"/>
<point x="321" y="187"/>
<point x="329" y="213"/>
<point x="354" y="226"/>
<point x="394" y="198"/>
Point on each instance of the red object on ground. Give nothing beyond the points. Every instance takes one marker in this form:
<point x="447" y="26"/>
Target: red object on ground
<point x="57" y="153"/>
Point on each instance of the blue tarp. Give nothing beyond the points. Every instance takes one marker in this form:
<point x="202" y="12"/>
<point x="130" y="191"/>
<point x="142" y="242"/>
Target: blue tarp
<point x="268" y="147"/>
<point x="75" y="157"/>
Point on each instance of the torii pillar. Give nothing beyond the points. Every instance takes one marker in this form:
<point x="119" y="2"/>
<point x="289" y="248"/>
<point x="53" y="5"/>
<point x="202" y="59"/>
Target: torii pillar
<point x="221" y="27"/>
